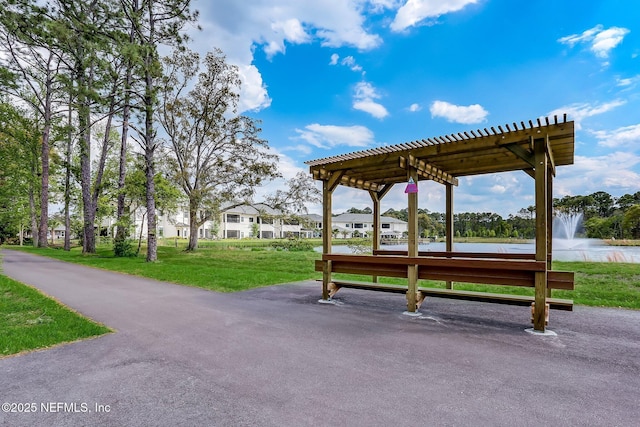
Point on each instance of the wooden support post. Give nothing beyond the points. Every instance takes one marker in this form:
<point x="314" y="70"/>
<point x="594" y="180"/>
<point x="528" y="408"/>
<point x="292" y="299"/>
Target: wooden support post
<point x="549" y="220"/>
<point x="449" y="224"/>
<point x="412" y="270"/>
<point x="376" y="226"/>
<point x="328" y="186"/>
<point x="376" y="198"/>
<point x="541" y="175"/>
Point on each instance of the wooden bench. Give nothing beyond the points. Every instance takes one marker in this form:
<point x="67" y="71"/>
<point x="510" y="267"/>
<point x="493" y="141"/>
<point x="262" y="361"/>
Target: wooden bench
<point x="494" y="269"/>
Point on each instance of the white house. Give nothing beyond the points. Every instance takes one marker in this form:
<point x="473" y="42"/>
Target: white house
<point x="349" y="225"/>
<point x="262" y="221"/>
<point x="256" y="221"/>
<point x="233" y="223"/>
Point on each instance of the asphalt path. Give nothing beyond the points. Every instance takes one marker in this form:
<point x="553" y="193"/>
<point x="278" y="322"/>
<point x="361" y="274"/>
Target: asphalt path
<point x="274" y="356"/>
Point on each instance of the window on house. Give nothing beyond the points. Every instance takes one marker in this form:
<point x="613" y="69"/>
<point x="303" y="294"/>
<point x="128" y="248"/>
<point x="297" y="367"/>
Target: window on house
<point x="233" y="218"/>
<point x="233" y="234"/>
<point x="358" y="225"/>
<point x="386" y="226"/>
<point x="250" y="219"/>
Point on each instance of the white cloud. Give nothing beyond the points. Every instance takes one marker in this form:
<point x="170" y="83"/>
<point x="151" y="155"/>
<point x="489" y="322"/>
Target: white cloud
<point x="415" y="11"/>
<point x="364" y="100"/>
<point x="578" y="112"/>
<point x="350" y="62"/>
<point x="601" y="42"/>
<point x="300" y="149"/>
<point x="590" y="174"/>
<point x="628" y="136"/>
<point x="457" y="113"/>
<point x="253" y="92"/>
<point x="328" y="136"/>
<point x="239" y="28"/>
<point x="498" y="189"/>
<point x="414" y="108"/>
<point x="630" y="81"/>
<point x="290" y="30"/>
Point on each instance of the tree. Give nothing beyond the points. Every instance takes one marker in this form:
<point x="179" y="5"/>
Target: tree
<point x="631" y="222"/>
<point x="156" y="23"/>
<point x="366" y="210"/>
<point x="33" y="61"/>
<point x="20" y="160"/>
<point x="625" y="201"/>
<point x="218" y="155"/>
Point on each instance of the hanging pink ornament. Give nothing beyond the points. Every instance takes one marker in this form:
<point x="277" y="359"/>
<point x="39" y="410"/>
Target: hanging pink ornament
<point x="412" y="187"/>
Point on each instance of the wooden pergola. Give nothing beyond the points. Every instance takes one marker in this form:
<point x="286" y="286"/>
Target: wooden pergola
<point x="537" y="148"/>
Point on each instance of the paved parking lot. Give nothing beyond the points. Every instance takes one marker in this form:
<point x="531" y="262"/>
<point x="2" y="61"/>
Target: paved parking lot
<point x="275" y="357"/>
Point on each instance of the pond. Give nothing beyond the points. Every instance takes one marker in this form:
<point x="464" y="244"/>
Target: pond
<point x="593" y="250"/>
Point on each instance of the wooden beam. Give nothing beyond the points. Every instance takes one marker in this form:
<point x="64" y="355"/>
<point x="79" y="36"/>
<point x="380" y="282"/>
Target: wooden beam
<point x="552" y="163"/>
<point x="542" y="162"/>
<point x="521" y="153"/>
<point x="341" y="178"/>
<point x="333" y="180"/>
<point x="427" y="170"/>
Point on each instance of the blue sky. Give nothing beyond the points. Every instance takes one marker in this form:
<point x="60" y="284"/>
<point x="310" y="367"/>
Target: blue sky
<point x="329" y="77"/>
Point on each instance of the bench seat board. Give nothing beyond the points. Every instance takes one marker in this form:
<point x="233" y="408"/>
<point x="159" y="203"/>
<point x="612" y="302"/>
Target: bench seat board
<point x="522" y="300"/>
<point x="498" y="275"/>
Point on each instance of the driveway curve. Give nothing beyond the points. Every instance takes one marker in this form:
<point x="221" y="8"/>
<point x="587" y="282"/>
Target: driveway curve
<point x="273" y="356"/>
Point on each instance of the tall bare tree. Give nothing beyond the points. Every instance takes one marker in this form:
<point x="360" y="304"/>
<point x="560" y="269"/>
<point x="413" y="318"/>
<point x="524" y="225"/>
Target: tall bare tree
<point x="218" y="154"/>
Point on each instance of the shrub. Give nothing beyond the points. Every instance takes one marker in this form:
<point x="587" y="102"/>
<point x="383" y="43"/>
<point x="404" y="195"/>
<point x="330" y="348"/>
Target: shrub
<point x="124" y="248"/>
<point x="293" y="245"/>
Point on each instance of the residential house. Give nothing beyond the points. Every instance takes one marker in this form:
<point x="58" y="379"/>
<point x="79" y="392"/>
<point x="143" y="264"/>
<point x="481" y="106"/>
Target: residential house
<point x="353" y="225"/>
<point x="262" y="221"/>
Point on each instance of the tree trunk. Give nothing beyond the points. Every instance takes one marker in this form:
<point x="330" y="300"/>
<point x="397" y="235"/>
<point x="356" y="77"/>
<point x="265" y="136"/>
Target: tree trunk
<point x="44" y="191"/>
<point x="88" y="214"/>
<point x="152" y="245"/>
<point x="84" y="79"/>
<point x="67" y="185"/>
<point x="122" y="226"/>
<point x="150" y="65"/>
<point x="140" y="236"/>
<point x="33" y="215"/>
<point x="193" y="226"/>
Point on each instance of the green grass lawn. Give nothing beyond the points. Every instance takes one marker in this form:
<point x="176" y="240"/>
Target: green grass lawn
<point x="30" y="320"/>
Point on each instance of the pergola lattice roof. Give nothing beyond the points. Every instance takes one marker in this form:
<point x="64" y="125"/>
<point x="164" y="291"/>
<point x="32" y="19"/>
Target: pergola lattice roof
<point x="447" y="157"/>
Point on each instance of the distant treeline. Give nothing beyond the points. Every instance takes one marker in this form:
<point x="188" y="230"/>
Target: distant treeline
<point x="604" y="217"/>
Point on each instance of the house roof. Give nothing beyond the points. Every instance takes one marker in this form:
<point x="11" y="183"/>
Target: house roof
<point x="444" y="158"/>
<point x="257" y="209"/>
<point x="313" y="217"/>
